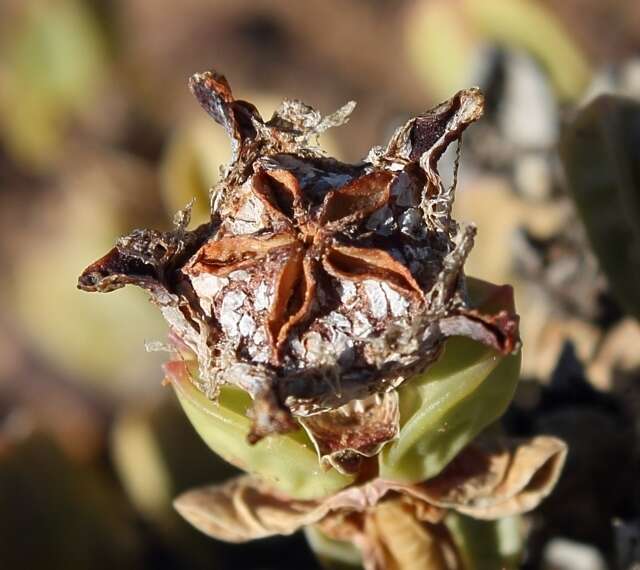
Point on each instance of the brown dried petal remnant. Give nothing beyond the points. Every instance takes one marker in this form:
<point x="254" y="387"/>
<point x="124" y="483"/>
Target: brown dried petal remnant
<point x="359" y="429"/>
<point x="486" y="481"/>
<point x="316" y="284"/>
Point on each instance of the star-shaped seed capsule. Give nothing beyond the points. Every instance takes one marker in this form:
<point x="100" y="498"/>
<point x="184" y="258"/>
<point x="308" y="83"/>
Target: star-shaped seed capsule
<point x="317" y="287"/>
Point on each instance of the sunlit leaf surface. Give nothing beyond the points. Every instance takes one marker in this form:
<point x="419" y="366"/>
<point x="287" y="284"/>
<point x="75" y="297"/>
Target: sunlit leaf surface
<point x="443" y="409"/>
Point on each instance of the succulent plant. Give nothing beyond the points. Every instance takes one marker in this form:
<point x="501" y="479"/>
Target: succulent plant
<point x="316" y="283"/>
<point x="309" y="316"/>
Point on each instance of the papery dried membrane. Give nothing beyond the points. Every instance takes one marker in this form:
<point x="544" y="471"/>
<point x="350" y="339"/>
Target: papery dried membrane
<point x="344" y="437"/>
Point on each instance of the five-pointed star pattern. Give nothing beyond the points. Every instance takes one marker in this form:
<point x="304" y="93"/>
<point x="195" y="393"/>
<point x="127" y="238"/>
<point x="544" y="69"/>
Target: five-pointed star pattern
<point x="303" y="243"/>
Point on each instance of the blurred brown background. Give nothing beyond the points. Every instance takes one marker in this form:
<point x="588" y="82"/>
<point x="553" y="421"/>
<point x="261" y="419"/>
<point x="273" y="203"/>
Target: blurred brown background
<point x="99" y="135"/>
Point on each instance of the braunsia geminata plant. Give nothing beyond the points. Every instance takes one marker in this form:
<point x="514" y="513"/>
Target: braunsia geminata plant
<point x="309" y="318"/>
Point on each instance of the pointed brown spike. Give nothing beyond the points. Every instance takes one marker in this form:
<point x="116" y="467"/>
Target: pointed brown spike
<point x="113" y="271"/>
<point x="434" y="130"/>
<point x="214" y="95"/>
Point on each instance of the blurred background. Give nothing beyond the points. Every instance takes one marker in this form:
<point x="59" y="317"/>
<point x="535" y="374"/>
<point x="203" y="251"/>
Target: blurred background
<point x="99" y="135"/>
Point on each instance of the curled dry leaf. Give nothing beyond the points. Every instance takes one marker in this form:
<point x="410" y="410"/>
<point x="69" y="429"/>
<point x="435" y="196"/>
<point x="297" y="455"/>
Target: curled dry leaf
<point x="246" y="508"/>
<point x="316" y="283"/>
<point x="500" y="478"/>
<point x="486" y="481"/>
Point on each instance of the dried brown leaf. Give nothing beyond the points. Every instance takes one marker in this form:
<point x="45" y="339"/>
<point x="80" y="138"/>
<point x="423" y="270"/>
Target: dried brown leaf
<point x="280" y="191"/>
<point x="245" y="508"/>
<point x="487" y="481"/>
<point x="498" y="480"/>
<point x="294" y="293"/>
<point x="231" y="253"/>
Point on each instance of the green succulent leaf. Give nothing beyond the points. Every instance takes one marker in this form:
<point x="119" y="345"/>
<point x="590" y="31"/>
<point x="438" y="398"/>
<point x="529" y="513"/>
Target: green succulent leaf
<point x="487" y="544"/>
<point x="600" y="150"/>
<point x="333" y="554"/>
<point x="288" y="461"/>
<point x="443" y="409"/>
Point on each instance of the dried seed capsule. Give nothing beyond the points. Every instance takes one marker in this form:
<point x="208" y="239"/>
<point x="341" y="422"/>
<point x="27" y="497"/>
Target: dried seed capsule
<point x="316" y="284"/>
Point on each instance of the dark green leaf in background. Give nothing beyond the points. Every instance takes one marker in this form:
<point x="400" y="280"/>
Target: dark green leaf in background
<point x="600" y="150"/>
